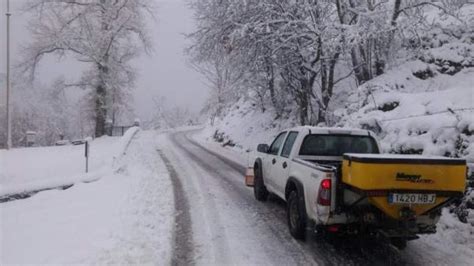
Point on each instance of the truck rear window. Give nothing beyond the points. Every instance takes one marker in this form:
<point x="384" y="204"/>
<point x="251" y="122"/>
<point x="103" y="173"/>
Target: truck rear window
<point x="337" y="145"/>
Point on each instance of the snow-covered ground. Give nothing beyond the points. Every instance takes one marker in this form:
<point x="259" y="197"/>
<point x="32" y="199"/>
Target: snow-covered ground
<point x="125" y="217"/>
<point x="454" y="238"/>
<point x="36" y="168"/>
<point x="430" y="117"/>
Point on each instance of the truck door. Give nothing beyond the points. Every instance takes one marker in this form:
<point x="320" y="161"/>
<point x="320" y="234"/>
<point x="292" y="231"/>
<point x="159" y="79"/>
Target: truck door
<point x="281" y="169"/>
<point x="271" y="161"/>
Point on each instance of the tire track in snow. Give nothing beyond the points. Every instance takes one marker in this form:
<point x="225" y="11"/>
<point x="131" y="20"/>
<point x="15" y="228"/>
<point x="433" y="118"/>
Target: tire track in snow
<point x="211" y="241"/>
<point x="240" y="168"/>
<point x="183" y="252"/>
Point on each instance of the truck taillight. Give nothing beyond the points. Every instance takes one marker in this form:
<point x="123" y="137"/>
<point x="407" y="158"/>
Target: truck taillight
<point x="326" y="184"/>
<point x="324" y="194"/>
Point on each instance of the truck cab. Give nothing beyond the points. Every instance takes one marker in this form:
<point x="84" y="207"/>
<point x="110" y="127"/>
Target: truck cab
<point x="322" y="147"/>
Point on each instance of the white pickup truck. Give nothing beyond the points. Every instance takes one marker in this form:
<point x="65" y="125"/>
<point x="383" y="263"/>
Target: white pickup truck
<point x="336" y="180"/>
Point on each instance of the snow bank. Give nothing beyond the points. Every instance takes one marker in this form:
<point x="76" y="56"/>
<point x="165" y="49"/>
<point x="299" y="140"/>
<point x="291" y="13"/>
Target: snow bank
<point x="58" y="182"/>
<point x="414" y="120"/>
<point x="453" y="239"/>
<point x="125" y="140"/>
<point x="126" y="217"/>
<point x="37" y="168"/>
<point x="245" y="126"/>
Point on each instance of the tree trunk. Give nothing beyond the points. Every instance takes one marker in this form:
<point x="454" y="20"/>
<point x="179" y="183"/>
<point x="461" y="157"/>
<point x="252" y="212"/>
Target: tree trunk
<point x="100" y="103"/>
<point x="100" y="111"/>
<point x="305" y="95"/>
<point x="101" y="90"/>
<point x="393" y="23"/>
<point x="327" y="86"/>
<point x="271" y="88"/>
<point x="303" y="108"/>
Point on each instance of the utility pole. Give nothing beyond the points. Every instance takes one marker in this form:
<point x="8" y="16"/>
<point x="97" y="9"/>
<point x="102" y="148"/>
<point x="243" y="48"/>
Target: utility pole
<point x="9" y="130"/>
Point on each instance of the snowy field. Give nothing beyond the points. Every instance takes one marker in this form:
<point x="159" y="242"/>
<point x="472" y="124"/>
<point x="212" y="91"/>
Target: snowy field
<point x="125" y="217"/>
<point x="36" y="168"/>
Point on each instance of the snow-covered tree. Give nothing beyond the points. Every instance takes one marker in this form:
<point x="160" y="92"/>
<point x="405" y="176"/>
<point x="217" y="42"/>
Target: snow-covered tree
<point x="106" y="34"/>
<point x="292" y="43"/>
<point x="298" y="52"/>
<point x="165" y="116"/>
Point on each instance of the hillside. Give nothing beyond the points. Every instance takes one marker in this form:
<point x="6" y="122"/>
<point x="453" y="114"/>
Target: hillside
<point x="423" y="104"/>
<point x="432" y="116"/>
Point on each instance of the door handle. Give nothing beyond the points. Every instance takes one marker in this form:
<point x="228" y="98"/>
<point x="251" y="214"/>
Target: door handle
<point x="284" y="164"/>
<point x="274" y="161"/>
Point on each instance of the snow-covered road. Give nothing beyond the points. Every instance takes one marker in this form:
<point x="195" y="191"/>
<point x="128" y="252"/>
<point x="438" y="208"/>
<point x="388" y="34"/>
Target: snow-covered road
<point x="230" y="227"/>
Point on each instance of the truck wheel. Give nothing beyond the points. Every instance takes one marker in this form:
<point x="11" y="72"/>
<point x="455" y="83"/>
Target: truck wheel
<point x="259" y="190"/>
<point x="296" y="216"/>
<point x="400" y="243"/>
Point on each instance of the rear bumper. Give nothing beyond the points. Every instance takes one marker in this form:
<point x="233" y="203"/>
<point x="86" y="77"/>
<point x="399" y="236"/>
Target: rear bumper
<point x="401" y="231"/>
<point x="369" y="220"/>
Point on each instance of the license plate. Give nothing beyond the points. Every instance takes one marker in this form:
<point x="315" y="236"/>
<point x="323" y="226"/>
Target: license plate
<point x="411" y="198"/>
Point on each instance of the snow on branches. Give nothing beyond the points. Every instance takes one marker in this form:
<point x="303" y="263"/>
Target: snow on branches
<point x="297" y="53"/>
<point x="105" y="34"/>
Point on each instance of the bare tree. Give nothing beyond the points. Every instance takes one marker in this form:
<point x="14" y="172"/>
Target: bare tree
<point x="223" y="78"/>
<point x="106" y="34"/>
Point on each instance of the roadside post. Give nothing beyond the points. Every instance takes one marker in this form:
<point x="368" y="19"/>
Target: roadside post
<point x="86" y="152"/>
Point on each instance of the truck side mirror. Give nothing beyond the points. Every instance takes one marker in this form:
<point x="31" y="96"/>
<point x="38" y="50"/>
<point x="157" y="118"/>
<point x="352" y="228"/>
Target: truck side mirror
<point x="262" y="148"/>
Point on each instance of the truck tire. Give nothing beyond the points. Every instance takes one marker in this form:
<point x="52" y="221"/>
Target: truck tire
<point x="296" y="216"/>
<point x="259" y="190"/>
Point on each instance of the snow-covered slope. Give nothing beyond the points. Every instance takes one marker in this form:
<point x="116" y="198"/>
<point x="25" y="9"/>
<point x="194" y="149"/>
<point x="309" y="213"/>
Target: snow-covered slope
<point x="423" y="106"/>
<point x="424" y="103"/>
<point x="410" y="115"/>
<point x="246" y="126"/>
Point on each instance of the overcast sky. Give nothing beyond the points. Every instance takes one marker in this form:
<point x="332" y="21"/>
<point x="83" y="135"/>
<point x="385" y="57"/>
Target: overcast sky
<point x="163" y="73"/>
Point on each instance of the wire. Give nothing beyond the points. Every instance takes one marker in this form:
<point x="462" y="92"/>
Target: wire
<point x="449" y="110"/>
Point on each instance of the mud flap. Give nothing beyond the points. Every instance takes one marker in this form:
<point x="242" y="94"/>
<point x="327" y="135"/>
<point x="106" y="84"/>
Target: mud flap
<point x="249" y="177"/>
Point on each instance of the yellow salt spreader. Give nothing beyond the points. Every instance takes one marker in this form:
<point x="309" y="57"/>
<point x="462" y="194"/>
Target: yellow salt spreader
<point x="408" y="191"/>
